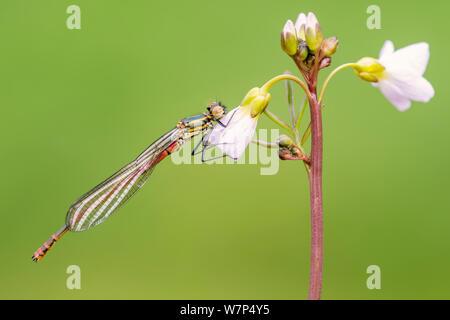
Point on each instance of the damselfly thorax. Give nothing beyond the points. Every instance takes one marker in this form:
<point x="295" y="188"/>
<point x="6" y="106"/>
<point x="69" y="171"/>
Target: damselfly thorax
<point x="105" y="199"/>
<point x="204" y="121"/>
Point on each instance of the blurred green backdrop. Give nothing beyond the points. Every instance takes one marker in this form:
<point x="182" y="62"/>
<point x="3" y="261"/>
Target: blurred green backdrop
<point x="78" y="104"/>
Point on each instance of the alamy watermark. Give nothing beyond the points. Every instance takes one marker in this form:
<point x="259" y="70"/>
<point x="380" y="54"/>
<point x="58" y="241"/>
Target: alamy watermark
<point x="267" y="158"/>
<point x="374" y="19"/>
<point x="374" y="280"/>
<point x="74" y="280"/>
<point x="74" y="19"/>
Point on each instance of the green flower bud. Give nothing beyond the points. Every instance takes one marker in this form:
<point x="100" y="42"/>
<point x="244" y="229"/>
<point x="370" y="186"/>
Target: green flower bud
<point x="313" y="33"/>
<point x="329" y="46"/>
<point x="284" y="141"/>
<point x="289" y="41"/>
<point x="302" y="51"/>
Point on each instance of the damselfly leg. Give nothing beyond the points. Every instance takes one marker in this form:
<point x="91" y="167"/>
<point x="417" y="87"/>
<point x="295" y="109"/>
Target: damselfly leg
<point x="195" y="151"/>
<point x="214" y="158"/>
<point x="206" y="147"/>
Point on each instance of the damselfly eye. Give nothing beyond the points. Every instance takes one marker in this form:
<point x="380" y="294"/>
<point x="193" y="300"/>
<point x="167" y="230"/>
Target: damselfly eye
<point x="218" y="112"/>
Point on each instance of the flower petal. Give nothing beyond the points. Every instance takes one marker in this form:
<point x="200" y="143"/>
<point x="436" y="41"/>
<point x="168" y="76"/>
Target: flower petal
<point x="413" y="58"/>
<point x="388" y="49"/>
<point x="236" y="149"/>
<point x="393" y="94"/>
<point x="413" y="87"/>
<point x="217" y="131"/>
<point x="300" y="24"/>
<point x="234" y="138"/>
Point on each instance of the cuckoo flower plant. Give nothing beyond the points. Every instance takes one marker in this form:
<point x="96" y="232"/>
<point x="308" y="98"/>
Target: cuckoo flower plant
<point x="398" y="75"/>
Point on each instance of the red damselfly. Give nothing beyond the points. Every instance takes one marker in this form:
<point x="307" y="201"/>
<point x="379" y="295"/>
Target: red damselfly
<point x="102" y="201"/>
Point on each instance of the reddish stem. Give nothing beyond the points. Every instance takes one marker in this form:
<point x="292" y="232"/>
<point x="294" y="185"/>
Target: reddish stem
<point x="315" y="178"/>
<point x="315" y="182"/>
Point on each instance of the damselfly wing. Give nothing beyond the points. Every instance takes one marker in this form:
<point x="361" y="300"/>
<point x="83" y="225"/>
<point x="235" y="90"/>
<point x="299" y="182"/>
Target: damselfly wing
<point x="98" y="204"/>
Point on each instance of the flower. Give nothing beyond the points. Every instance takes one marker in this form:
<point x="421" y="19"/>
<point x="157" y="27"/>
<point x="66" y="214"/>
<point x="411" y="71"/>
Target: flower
<point x="399" y="74"/>
<point x="239" y="124"/>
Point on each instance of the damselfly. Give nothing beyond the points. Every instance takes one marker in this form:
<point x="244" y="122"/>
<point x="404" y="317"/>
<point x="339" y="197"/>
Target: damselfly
<point x="101" y="202"/>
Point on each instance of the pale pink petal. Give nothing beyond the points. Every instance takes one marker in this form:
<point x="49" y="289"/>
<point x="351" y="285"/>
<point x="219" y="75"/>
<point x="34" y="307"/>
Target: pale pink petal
<point x="218" y="130"/>
<point x="413" y="58"/>
<point x="413" y="87"/>
<point x="236" y="149"/>
<point x="311" y="20"/>
<point x="394" y="95"/>
<point x="301" y="21"/>
<point x="388" y="49"/>
<point x="234" y="138"/>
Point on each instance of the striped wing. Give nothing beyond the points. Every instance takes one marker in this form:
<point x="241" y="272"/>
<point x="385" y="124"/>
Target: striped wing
<point x="98" y="204"/>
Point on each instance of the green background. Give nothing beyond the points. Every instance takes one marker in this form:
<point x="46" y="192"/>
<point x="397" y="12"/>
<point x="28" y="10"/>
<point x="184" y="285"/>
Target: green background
<point x="78" y="104"/>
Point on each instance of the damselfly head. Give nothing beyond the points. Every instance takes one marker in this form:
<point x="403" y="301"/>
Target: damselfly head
<point x="216" y="110"/>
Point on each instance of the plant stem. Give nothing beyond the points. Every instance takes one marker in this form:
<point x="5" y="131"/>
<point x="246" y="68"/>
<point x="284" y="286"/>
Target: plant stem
<point x="306" y="135"/>
<point x="301" y="113"/>
<point x="277" y="120"/>
<point x="315" y="182"/>
<point x="266" y="87"/>
<point x="315" y="170"/>
<point x="290" y="98"/>
<point x="268" y="145"/>
<point x="315" y="179"/>
<point x="284" y="125"/>
<point x="331" y="75"/>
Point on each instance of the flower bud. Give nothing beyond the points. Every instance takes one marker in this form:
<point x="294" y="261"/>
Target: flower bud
<point x="300" y="26"/>
<point x="297" y="153"/>
<point x="292" y="154"/>
<point x="329" y="46"/>
<point x="284" y="154"/>
<point x="325" y="63"/>
<point x="313" y="33"/>
<point x="257" y="100"/>
<point x="284" y="141"/>
<point x="309" y="61"/>
<point x="369" y="69"/>
<point x="302" y="51"/>
<point x="289" y="41"/>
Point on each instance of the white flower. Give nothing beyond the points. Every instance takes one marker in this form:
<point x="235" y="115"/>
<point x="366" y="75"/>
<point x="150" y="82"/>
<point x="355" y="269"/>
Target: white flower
<point x="234" y="138"/>
<point x="402" y="80"/>
<point x="239" y="125"/>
